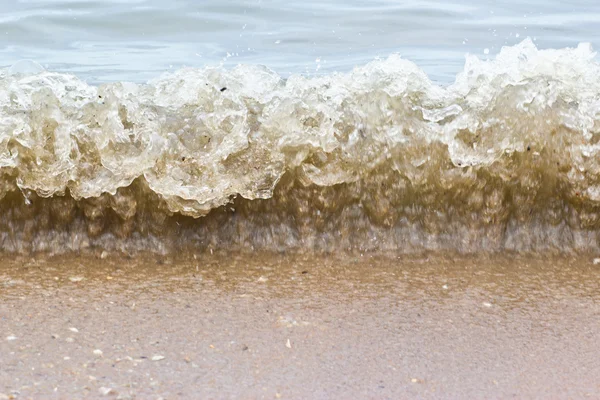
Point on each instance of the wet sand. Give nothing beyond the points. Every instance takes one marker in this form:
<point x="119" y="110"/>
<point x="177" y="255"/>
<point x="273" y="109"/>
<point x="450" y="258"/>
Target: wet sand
<point x="293" y="327"/>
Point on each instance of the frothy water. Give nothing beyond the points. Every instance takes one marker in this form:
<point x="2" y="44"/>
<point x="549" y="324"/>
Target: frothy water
<point x="380" y="158"/>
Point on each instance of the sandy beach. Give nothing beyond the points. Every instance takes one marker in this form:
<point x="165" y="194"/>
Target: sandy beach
<point x="293" y="327"/>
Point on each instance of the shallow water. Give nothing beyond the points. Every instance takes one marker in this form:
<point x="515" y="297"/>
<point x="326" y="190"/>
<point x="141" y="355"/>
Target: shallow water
<point x="268" y="326"/>
<point x="117" y="40"/>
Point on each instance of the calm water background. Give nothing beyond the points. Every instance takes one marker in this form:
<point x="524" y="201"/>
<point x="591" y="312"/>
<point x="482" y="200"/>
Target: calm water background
<point x="136" y="40"/>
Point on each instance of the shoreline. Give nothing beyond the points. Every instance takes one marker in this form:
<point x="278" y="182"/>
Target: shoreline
<point x="292" y="327"/>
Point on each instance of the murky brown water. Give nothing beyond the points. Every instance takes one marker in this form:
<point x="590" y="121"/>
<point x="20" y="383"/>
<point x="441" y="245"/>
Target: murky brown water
<point x="272" y="326"/>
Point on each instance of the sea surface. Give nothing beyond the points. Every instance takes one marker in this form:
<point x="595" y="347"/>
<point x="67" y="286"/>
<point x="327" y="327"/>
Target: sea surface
<point x="379" y="126"/>
<point x="136" y="40"/>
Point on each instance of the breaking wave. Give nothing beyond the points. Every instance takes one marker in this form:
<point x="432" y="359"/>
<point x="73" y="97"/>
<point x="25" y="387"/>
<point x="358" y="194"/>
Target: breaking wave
<point x="378" y="159"/>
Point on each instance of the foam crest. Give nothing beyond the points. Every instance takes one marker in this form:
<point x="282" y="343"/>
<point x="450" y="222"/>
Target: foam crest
<point x="505" y="157"/>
